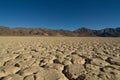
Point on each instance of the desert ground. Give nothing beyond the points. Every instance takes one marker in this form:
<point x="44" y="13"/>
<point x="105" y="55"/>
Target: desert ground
<point x="59" y="58"/>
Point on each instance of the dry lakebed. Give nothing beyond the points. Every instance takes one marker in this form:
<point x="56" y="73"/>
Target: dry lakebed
<point x="59" y="58"/>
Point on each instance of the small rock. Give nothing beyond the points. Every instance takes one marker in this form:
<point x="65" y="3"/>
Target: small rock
<point x="66" y="62"/>
<point x="75" y="59"/>
<point x="73" y="71"/>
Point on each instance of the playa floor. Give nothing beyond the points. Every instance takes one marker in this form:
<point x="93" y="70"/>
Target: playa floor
<point x="59" y="58"/>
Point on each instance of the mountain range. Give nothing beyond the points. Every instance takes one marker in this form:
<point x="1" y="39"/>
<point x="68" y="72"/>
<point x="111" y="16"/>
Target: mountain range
<point x="81" y="32"/>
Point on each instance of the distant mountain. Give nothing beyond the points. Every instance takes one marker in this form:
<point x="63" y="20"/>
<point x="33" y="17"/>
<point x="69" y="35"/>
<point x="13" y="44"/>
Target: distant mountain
<point x="107" y="32"/>
<point x="85" y="32"/>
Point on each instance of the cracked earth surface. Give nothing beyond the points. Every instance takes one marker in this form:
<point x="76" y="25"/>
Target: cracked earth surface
<point x="59" y="58"/>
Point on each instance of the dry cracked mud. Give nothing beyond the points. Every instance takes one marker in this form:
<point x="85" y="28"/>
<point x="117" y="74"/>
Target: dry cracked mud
<point x="59" y="58"/>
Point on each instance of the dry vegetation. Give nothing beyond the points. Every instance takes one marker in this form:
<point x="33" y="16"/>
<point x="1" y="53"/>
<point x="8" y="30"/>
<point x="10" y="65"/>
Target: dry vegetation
<point x="59" y="58"/>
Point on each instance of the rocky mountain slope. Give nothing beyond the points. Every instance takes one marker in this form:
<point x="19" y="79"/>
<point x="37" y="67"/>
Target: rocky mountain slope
<point x="108" y="32"/>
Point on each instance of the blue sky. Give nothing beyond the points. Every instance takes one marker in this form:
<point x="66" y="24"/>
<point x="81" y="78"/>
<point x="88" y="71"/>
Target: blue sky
<point x="60" y="14"/>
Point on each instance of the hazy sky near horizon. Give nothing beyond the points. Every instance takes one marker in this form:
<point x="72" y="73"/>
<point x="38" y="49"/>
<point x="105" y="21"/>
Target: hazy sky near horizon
<point x="60" y="14"/>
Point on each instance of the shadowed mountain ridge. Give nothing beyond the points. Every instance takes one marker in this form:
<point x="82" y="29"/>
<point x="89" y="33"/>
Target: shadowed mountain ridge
<point x="107" y="32"/>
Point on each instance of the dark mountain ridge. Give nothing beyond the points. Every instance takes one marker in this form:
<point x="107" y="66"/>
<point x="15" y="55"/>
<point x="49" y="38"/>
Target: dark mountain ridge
<point x="107" y="32"/>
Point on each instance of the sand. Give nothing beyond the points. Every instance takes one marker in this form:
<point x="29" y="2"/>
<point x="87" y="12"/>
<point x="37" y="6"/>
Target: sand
<point x="59" y="58"/>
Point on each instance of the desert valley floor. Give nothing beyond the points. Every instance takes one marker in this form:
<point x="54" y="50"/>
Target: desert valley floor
<point x="59" y="58"/>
